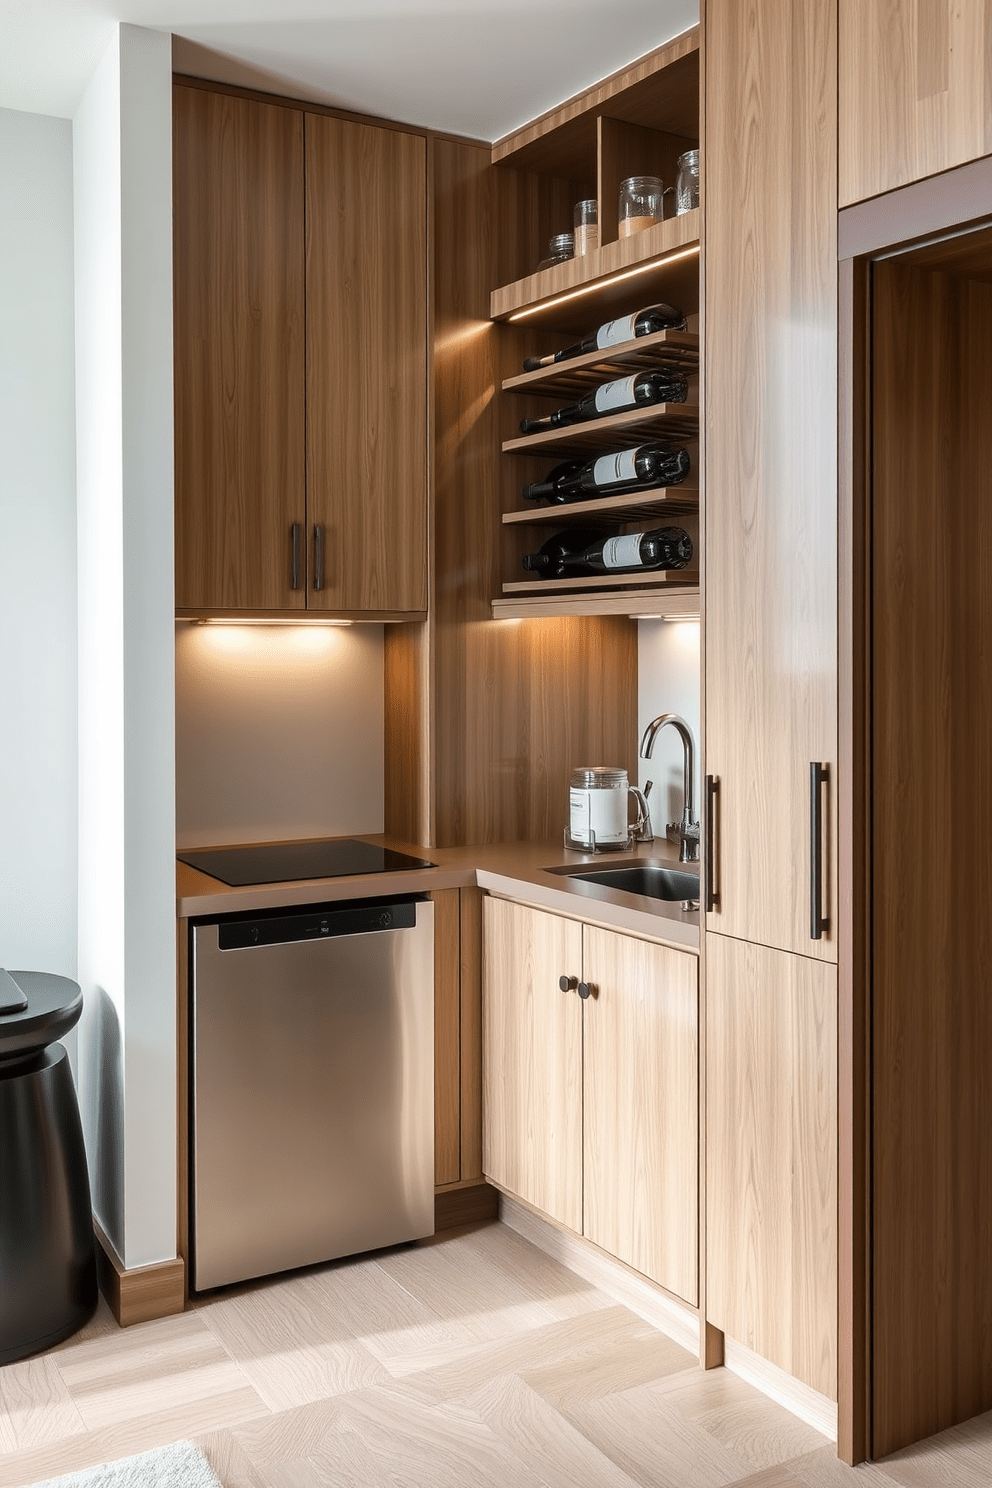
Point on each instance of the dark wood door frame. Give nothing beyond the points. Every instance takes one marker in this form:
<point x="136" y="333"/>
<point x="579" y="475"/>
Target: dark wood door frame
<point x="957" y="201"/>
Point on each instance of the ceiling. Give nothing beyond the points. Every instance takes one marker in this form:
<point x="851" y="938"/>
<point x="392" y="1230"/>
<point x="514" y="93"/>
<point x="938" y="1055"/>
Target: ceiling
<point x="476" y="67"/>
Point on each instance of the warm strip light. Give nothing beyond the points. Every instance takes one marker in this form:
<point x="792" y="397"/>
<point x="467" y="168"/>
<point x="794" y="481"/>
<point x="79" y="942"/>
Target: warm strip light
<point x="598" y="284"/>
<point x="255" y="620"/>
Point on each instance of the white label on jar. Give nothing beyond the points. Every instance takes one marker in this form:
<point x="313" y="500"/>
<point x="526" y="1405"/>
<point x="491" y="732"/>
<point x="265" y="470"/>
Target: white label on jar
<point x="623" y="552"/>
<point x="615" y="331"/>
<point x="598" y="815"/>
<point x="619" y="394"/>
<point x="609" y="470"/>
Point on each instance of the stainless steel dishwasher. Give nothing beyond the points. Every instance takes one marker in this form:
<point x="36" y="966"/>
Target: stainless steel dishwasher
<point x="312" y="1085"/>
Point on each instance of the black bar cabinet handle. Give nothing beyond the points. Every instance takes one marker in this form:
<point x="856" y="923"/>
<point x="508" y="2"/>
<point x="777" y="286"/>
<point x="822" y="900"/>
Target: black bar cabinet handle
<point x="712" y="900"/>
<point x="818" y="921"/>
<point x="318" y="556"/>
<point x="296" y="555"/>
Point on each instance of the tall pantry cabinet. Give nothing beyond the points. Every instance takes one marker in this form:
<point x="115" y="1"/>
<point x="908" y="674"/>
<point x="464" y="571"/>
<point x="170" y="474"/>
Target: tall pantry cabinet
<point x="770" y="713"/>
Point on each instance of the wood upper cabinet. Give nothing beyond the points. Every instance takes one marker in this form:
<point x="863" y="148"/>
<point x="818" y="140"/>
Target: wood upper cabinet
<point x="915" y="79"/>
<point x="771" y="463"/>
<point x="239" y="350"/>
<point x="532" y="1058"/>
<point x="366" y="365"/>
<point x="771" y="1158"/>
<point x="641" y="1106"/>
<point x="300" y="360"/>
<point x="591" y="1106"/>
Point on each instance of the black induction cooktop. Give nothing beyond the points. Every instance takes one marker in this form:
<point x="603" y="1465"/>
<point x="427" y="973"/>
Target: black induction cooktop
<point x="281" y="862"/>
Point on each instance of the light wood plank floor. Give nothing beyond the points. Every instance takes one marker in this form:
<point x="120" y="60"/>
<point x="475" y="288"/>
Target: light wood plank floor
<point x="471" y="1360"/>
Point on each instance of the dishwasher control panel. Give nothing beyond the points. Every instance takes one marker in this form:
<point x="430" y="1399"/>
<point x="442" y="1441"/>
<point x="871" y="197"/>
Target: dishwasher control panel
<point x="322" y="922"/>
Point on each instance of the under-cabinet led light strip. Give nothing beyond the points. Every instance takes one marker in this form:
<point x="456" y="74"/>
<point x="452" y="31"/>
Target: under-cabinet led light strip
<point x="585" y="289"/>
<point x="261" y="620"/>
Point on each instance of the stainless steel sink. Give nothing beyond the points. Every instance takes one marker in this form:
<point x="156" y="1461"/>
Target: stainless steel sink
<point x="650" y="879"/>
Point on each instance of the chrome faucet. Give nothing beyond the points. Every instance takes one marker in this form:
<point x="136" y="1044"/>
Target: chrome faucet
<point x="687" y="830"/>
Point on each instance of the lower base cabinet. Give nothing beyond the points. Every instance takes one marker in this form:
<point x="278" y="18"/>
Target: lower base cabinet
<point x="771" y="1155"/>
<point x="591" y="1105"/>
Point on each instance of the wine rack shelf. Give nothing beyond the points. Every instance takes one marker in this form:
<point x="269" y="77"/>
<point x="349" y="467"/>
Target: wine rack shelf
<point x="657" y="501"/>
<point x="569" y="380"/>
<point x="668" y="604"/>
<point x="666" y="578"/>
<point x="618" y="431"/>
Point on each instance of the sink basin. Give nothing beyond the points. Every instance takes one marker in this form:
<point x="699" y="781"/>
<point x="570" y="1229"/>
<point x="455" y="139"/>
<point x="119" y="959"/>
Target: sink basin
<point x="650" y="879"/>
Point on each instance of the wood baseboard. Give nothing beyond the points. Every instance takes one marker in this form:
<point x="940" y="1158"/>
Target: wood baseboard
<point x="676" y="1319"/>
<point x="142" y="1293"/>
<point x="802" y="1400"/>
<point x="461" y="1204"/>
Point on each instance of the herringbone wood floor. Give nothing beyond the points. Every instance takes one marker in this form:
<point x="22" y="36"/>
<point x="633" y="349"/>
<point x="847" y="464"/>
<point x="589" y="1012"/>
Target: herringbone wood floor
<point x="472" y="1360"/>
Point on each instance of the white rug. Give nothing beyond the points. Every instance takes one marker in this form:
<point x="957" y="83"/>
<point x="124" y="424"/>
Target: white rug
<point x="178" y="1466"/>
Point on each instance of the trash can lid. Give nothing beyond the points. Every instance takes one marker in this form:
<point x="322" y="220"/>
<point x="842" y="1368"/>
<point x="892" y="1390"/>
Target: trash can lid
<point x="36" y="1008"/>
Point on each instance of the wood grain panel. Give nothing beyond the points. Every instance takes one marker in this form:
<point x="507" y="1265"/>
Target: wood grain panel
<point x="470" y="906"/>
<point x="771" y="1163"/>
<point x="532" y="1058"/>
<point x="407" y="782"/>
<point x="366" y="244"/>
<point x="239" y="350"/>
<point x="915" y="88"/>
<point x="447" y="1037"/>
<point x="640" y="1107"/>
<point x="931" y="716"/>
<point x="516" y="704"/>
<point x="771" y="460"/>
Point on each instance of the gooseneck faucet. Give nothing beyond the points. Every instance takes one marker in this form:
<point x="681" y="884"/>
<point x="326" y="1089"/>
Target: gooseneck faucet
<point x="687" y="829"/>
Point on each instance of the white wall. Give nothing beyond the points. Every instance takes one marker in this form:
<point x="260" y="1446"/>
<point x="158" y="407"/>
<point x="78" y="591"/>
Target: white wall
<point x="278" y="732"/>
<point x="122" y="153"/>
<point x="667" y="682"/>
<point x="37" y="547"/>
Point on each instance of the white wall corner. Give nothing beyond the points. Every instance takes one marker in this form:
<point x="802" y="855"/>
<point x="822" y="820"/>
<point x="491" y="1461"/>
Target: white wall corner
<point x="122" y="145"/>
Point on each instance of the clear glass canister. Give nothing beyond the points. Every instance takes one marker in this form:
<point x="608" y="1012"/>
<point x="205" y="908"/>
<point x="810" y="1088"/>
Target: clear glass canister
<point x="641" y="204"/>
<point x="561" y="248"/>
<point x="687" y="182"/>
<point x="597" y="806"/>
<point x="585" y="216"/>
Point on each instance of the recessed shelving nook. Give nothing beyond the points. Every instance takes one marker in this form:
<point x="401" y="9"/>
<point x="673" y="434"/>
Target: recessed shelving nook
<point x="637" y="122"/>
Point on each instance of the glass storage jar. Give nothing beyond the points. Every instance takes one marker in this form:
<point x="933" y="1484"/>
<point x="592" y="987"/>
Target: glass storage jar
<point x="560" y="249"/>
<point x="687" y="182"/>
<point x="585" y="216"/>
<point x="641" y="204"/>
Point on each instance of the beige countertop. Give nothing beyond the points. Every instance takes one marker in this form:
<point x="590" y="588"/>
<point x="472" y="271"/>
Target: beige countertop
<point x="515" y="870"/>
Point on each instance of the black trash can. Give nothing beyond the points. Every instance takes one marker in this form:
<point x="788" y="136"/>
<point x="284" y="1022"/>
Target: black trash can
<point x="47" y="1263"/>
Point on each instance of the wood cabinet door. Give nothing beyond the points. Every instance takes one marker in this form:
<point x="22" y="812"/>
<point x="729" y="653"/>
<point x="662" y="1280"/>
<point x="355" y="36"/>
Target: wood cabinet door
<point x="532" y="1058"/>
<point x="366" y="366"/>
<point x="915" y="77"/>
<point x="771" y="1156"/>
<point x="770" y="556"/>
<point x="239" y="351"/>
<point x="641" y="1101"/>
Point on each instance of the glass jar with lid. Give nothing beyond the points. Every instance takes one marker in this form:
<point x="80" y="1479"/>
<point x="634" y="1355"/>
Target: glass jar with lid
<point x="687" y="182"/>
<point x="641" y="204"/>
<point x="586" y="220"/>
<point x="560" y="249"/>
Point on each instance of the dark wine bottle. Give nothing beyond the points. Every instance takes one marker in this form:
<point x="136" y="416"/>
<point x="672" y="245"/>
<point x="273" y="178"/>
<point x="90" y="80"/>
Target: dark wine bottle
<point x="549" y="561"/>
<point x="640" y="390"/>
<point x="561" y="556"/>
<point x="614" y="332"/>
<point x="611" y="475"/>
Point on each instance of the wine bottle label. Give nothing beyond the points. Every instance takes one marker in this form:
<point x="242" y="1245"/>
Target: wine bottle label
<point x="615" y="331"/>
<point x="623" y="552"/>
<point x="609" y="470"/>
<point x="619" y="394"/>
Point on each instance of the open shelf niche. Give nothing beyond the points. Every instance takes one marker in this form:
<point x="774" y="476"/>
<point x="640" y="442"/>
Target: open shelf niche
<point x="637" y="122"/>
